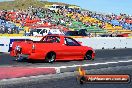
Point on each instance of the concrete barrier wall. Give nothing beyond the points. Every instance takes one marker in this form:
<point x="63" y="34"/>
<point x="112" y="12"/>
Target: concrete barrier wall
<point x="95" y="42"/>
<point x="107" y="43"/>
<point x="4" y="44"/>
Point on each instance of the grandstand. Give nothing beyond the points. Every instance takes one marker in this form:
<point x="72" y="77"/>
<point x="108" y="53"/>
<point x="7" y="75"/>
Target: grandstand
<point x="71" y="17"/>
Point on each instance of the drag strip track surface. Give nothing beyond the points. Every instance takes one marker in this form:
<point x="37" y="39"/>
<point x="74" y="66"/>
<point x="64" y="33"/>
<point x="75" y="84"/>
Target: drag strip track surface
<point x="101" y="56"/>
<point x="70" y="81"/>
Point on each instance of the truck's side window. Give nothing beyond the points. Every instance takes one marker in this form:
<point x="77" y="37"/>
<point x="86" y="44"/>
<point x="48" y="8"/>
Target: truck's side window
<point x="51" y="39"/>
<point x="71" y="42"/>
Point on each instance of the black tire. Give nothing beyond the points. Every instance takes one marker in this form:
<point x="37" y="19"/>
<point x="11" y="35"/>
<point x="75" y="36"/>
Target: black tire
<point x="19" y="58"/>
<point x="88" y="56"/>
<point x="50" y="57"/>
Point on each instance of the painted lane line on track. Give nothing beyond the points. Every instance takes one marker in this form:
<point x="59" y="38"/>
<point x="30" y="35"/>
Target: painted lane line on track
<point x="84" y="65"/>
<point x="95" y="64"/>
<point x="125" y="61"/>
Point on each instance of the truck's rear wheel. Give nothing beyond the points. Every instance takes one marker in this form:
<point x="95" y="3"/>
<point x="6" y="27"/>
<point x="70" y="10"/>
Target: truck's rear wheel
<point x="19" y="58"/>
<point x="50" y="57"/>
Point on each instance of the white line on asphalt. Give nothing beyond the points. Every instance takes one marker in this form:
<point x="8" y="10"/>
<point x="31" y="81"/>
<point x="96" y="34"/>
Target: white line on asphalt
<point x="94" y="64"/>
<point x="84" y="65"/>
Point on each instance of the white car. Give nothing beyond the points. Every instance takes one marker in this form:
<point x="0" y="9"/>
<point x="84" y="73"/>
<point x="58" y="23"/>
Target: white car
<point x="45" y="31"/>
<point x="55" y="7"/>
